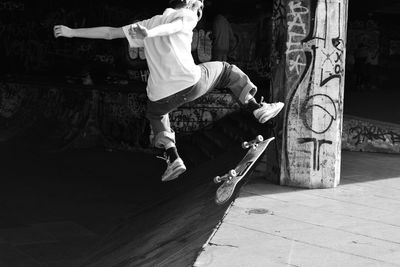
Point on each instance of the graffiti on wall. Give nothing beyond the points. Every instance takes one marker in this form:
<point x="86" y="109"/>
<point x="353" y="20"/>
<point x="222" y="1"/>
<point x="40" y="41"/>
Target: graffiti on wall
<point x="203" y="111"/>
<point x="123" y="119"/>
<point x="315" y="52"/>
<point x="28" y="46"/>
<point x="118" y="115"/>
<point x="11" y="6"/>
<point x="258" y="66"/>
<point x="10" y="101"/>
<point x="23" y="105"/>
<point x="139" y="75"/>
<point x="370" y="136"/>
<point x="21" y="42"/>
<point x="363" y="133"/>
<point x="394" y="48"/>
<point x="14" y="115"/>
<point x="278" y="48"/>
<point x="278" y="26"/>
<point x="242" y="53"/>
<point x="202" y="44"/>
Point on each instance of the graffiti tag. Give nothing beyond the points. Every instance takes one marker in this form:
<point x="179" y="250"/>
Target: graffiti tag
<point x="371" y="133"/>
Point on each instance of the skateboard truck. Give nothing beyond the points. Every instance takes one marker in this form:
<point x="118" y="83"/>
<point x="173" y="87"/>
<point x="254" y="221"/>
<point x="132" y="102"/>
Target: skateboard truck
<point x="231" y="180"/>
<point x="226" y="177"/>
<point x="253" y="143"/>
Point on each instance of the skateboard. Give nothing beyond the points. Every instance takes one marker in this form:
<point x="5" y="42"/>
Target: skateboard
<point x="229" y="181"/>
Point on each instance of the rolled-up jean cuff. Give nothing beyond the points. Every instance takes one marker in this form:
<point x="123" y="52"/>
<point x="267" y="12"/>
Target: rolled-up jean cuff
<point x="249" y="89"/>
<point x="163" y="138"/>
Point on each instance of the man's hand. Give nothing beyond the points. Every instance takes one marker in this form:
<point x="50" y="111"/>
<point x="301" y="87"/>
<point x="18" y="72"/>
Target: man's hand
<point x="137" y="31"/>
<point x="62" y="31"/>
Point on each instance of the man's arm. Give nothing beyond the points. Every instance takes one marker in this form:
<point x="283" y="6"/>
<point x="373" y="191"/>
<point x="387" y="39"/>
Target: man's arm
<point x="107" y="33"/>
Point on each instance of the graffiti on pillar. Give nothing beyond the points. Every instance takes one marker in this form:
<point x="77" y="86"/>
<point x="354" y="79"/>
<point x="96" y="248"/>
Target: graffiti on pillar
<point x="297" y="31"/>
<point x="324" y="105"/>
<point x="316" y="149"/>
<point x="315" y="52"/>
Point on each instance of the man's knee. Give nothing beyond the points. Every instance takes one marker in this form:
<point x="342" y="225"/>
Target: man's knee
<point x="227" y="66"/>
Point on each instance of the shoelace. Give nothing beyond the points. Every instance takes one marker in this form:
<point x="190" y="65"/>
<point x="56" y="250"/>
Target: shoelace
<point x="164" y="157"/>
<point x="262" y="100"/>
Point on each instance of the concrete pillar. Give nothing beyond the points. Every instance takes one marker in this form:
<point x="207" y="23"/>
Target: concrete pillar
<point x="308" y="61"/>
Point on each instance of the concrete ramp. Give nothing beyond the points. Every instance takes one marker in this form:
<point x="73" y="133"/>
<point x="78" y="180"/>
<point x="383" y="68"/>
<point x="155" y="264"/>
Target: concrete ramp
<point x="172" y="231"/>
<point x="106" y="207"/>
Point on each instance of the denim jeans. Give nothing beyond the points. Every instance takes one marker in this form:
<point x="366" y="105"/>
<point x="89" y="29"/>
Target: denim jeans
<point x="215" y="74"/>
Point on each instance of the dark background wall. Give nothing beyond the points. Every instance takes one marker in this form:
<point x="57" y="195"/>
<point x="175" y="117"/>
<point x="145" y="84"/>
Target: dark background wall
<point x="27" y="44"/>
<point x="374" y="26"/>
<point x="28" y="47"/>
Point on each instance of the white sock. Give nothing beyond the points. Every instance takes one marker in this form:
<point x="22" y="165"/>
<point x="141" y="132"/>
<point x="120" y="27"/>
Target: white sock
<point x="247" y="98"/>
<point x="169" y="145"/>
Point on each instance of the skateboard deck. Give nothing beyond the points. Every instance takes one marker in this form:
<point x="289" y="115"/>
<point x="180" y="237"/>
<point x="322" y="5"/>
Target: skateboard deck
<point x="233" y="177"/>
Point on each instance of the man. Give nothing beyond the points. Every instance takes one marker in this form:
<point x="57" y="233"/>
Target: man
<point x="223" y="38"/>
<point x="174" y="77"/>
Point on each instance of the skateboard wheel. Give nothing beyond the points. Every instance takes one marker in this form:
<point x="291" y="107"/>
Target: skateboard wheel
<point x="217" y="179"/>
<point x="232" y="173"/>
<point x="259" y="138"/>
<point x="245" y="145"/>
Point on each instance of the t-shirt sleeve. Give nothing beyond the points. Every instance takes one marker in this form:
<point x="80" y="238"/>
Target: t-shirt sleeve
<point x="129" y="34"/>
<point x="189" y="19"/>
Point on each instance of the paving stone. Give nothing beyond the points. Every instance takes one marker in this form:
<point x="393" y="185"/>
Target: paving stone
<point x="355" y="224"/>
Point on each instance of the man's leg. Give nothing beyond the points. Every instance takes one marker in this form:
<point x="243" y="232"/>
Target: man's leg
<point x="164" y="136"/>
<point x="224" y="75"/>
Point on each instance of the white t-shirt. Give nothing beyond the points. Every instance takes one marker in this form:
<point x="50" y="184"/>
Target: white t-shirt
<point x="169" y="58"/>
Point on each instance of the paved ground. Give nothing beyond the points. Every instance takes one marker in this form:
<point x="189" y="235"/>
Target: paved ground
<point x="355" y="224"/>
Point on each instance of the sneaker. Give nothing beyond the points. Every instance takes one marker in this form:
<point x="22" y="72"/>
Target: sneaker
<point x="173" y="170"/>
<point x="267" y="111"/>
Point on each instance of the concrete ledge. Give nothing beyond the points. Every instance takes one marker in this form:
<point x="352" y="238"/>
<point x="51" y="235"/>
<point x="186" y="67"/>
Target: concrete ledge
<point x="366" y="135"/>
